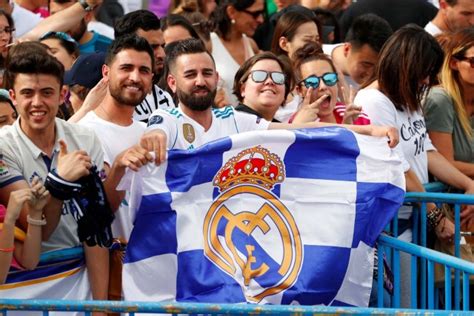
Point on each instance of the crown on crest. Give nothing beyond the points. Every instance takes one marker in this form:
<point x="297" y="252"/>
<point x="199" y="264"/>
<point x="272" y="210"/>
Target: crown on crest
<point x="255" y="165"/>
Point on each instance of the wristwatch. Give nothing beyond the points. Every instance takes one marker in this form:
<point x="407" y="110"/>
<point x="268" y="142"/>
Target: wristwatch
<point x="86" y="5"/>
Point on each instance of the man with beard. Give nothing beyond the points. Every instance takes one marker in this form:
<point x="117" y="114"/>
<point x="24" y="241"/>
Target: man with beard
<point x="89" y="41"/>
<point x="147" y="25"/>
<point x="193" y="77"/>
<point x="128" y="71"/>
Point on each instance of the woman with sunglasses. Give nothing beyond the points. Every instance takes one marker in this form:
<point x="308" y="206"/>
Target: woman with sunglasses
<point x="262" y="84"/>
<point x="236" y="22"/>
<point x="317" y="87"/>
<point x="449" y="108"/>
<point x="62" y="46"/>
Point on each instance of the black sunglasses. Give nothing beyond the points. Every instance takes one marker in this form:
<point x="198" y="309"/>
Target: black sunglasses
<point x="259" y="76"/>
<point x="254" y="14"/>
<point x="313" y="81"/>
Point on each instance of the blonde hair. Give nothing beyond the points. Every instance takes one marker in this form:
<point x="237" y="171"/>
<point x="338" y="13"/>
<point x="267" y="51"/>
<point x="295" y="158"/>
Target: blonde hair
<point x="459" y="43"/>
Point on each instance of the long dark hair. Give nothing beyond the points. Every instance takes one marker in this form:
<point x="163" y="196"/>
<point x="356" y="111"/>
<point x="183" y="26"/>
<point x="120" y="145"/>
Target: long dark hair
<point x="409" y="56"/>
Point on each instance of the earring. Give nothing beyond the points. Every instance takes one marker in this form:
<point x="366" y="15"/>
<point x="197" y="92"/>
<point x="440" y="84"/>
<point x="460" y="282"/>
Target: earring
<point x="232" y="21"/>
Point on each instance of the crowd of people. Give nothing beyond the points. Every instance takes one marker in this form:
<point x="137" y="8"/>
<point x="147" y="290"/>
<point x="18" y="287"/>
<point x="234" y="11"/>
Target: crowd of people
<point x="82" y="97"/>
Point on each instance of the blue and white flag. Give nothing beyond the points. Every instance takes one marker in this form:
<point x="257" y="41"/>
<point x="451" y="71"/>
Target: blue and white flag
<point x="63" y="277"/>
<point x="272" y="217"/>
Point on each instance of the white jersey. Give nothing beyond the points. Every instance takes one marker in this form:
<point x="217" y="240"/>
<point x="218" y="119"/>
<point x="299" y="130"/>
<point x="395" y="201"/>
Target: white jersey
<point x="20" y="159"/>
<point x="432" y="29"/>
<point x="156" y="99"/>
<point x="414" y="140"/>
<point x="115" y="139"/>
<point x="185" y="133"/>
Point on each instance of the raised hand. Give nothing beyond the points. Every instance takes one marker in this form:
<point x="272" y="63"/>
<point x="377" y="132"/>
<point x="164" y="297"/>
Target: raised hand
<point x="308" y="112"/>
<point x="352" y="111"/>
<point x="40" y="196"/>
<point x="15" y="204"/>
<point x="74" y="165"/>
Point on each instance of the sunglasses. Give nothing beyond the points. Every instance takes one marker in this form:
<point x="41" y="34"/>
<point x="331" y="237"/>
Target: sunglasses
<point x="470" y="60"/>
<point x="254" y="14"/>
<point x="329" y="79"/>
<point x="259" y="76"/>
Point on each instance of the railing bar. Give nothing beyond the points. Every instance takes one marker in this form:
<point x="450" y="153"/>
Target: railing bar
<point x="396" y="274"/>
<point x="87" y="313"/>
<point x="465" y="291"/>
<point x="414" y="277"/>
<point x="423" y="261"/>
<point x="430" y="284"/>
<point x="380" y="268"/>
<point x="45" y="313"/>
<point x="131" y="314"/>
<point x="457" y="281"/>
<point x="447" y="288"/>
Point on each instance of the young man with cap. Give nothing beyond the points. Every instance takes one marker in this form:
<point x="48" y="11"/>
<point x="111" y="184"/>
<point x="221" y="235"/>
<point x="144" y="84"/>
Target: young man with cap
<point x="40" y="145"/>
<point x="147" y="25"/>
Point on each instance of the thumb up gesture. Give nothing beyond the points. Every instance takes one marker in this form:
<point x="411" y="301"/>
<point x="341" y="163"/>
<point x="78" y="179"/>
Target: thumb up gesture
<point x="72" y="165"/>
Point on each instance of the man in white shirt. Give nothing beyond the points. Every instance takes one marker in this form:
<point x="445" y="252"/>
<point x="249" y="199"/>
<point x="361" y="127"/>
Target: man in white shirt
<point x="453" y="15"/>
<point x="193" y="77"/>
<point x="40" y="145"/>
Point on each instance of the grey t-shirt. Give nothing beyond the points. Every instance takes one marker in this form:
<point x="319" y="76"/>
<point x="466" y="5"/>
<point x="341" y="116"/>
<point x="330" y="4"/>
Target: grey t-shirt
<point x="440" y="116"/>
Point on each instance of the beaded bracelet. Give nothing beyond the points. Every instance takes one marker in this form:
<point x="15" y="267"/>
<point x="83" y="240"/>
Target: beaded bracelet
<point x="433" y="218"/>
<point x="7" y="249"/>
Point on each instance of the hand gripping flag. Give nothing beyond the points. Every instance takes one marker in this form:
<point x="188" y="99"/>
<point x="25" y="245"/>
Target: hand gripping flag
<point x="273" y="217"/>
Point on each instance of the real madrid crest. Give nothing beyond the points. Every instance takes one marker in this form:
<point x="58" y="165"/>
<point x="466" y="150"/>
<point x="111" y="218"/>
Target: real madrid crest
<point x="189" y="133"/>
<point x="248" y="232"/>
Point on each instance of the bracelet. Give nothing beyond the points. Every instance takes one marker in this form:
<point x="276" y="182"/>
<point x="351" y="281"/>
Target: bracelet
<point x="433" y="218"/>
<point x="36" y="222"/>
<point x="59" y="188"/>
<point x="7" y="249"/>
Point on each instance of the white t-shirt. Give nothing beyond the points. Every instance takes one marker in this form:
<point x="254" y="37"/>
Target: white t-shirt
<point x="185" y="133"/>
<point x="24" y="20"/>
<point x="414" y="140"/>
<point x="101" y="28"/>
<point x="115" y="139"/>
<point x="21" y="159"/>
<point x="432" y="29"/>
<point x="157" y="99"/>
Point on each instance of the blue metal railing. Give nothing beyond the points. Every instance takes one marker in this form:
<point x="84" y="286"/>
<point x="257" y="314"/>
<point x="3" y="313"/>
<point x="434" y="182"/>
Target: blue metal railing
<point x="133" y="308"/>
<point x="422" y="295"/>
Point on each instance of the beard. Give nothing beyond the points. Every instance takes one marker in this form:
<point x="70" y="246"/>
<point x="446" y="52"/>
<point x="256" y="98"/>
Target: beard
<point x="121" y="98"/>
<point x="195" y="103"/>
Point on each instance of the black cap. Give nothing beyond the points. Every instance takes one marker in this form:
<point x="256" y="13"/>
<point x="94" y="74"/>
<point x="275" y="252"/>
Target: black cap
<point x="86" y="70"/>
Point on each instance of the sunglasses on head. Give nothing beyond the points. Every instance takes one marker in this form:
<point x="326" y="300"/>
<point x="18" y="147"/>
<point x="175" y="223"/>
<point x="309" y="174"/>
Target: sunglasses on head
<point x="470" y="60"/>
<point x="329" y="79"/>
<point x="254" y="14"/>
<point x="259" y="76"/>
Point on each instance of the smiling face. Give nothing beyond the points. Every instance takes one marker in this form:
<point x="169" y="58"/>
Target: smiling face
<point x="194" y="80"/>
<point x="319" y="68"/>
<point x="264" y="97"/>
<point x="361" y="62"/>
<point x="130" y="76"/>
<point x="37" y="98"/>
